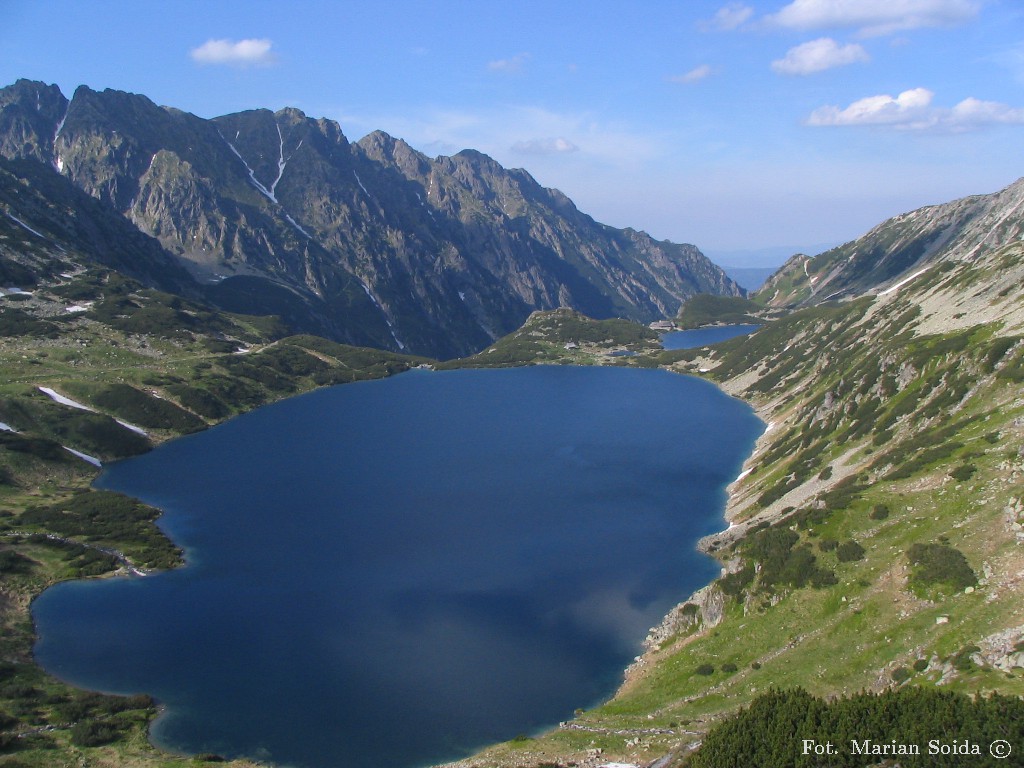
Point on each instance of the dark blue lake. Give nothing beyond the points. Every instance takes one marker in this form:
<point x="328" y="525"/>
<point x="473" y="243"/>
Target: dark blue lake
<point x="394" y="573"/>
<point x="701" y="337"/>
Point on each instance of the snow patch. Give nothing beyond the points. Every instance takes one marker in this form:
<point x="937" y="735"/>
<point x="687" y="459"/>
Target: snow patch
<point x="7" y="428"/>
<point x="18" y="221"/>
<point x="59" y="398"/>
<point x="269" y="192"/>
<point x="74" y="308"/>
<point x="281" y="163"/>
<point x="360" y="183"/>
<point x="252" y="176"/>
<point x="58" y="162"/>
<point x="902" y="282"/>
<point x="391" y="328"/>
<point x="368" y="293"/>
<point x="133" y="428"/>
<point x="60" y="124"/>
<point x="296" y="225"/>
<point x="84" y="457"/>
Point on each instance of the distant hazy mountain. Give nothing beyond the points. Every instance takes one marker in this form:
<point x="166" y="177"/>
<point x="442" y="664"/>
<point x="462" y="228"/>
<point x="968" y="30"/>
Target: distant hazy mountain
<point x="370" y="243"/>
<point x="902" y="247"/>
<point x="750" y="278"/>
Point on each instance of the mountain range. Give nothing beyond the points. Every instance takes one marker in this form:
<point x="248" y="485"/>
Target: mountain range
<point x="369" y="243"/>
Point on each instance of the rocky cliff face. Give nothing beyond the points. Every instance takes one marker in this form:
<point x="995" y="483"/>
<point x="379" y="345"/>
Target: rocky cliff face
<point x="369" y="243"/>
<point x="901" y="247"/>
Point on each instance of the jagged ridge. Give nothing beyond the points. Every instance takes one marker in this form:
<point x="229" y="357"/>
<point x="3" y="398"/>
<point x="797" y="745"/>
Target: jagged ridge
<point x="901" y="248"/>
<point x="371" y="243"/>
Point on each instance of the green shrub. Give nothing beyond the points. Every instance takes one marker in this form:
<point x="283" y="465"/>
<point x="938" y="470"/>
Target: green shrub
<point x="939" y="565"/>
<point x="733" y="584"/>
<point x="93" y="734"/>
<point x="219" y="346"/>
<point x="199" y="401"/>
<point x="900" y="675"/>
<point x="963" y="473"/>
<point x="844" y="493"/>
<point x="921" y="665"/>
<point x="785" y="564"/>
<point x="769" y="731"/>
<point x="102" y="435"/>
<point x="962" y="661"/>
<point x="704" y="308"/>
<point x="879" y="512"/>
<point x="12" y="562"/>
<point x="17" y="322"/>
<point x="705" y="669"/>
<point x="40" y="447"/>
<point x="144" y="410"/>
<point x="116" y="520"/>
<point x="849" y="551"/>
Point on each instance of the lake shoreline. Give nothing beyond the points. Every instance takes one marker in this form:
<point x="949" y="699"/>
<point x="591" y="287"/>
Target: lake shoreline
<point x="160" y="746"/>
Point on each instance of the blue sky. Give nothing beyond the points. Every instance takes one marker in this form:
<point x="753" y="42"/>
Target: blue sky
<point x="737" y="126"/>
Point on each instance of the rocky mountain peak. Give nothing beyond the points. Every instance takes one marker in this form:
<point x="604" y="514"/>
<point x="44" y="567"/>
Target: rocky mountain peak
<point x="31" y="115"/>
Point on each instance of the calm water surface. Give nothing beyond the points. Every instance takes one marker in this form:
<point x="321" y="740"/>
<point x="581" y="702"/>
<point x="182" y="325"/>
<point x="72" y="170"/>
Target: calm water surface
<point x="397" y="572"/>
<point x="700" y="337"/>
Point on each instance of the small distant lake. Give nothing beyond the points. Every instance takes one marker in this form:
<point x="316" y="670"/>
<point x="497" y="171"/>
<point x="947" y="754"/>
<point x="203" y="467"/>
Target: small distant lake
<point x="701" y="337"/>
<point x="398" y="572"/>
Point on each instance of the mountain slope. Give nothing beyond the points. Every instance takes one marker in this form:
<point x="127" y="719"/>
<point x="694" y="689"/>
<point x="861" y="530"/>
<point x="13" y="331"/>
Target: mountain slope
<point x="370" y="243"/>
<point x="876" y="533"/>
<point x="900" y="248"/>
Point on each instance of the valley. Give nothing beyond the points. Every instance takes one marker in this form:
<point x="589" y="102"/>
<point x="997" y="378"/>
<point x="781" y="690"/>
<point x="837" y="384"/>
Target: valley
<point x="876" y="534"/>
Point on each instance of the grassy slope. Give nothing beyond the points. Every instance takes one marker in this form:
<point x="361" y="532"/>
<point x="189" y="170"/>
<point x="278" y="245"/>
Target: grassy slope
<point x="866" y="411"/>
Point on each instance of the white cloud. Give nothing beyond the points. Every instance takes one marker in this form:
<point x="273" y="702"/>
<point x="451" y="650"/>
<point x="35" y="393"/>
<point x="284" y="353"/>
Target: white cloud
<point x="913" y="110"/>
<point x="550" y="146"/>
<point x="974" y="113"/>
<point x="874" y="17"/>
<point x="729" y="17"/>
<point x="694" y="75"/>
<point x="908" y="110"/>
<point x="243" y="53"/>
<point x="513" y="64"/>
<point x="817" y="56"/>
